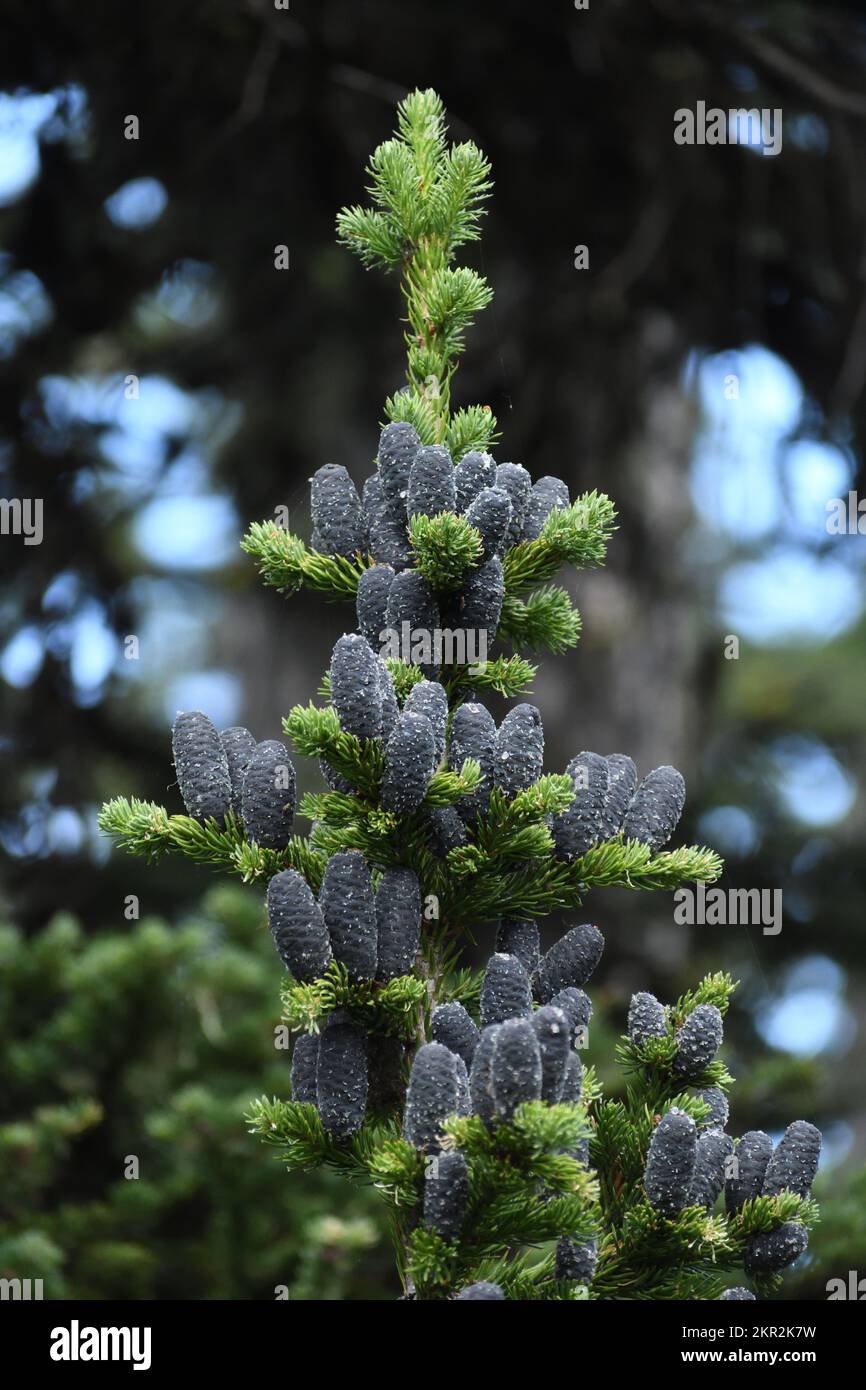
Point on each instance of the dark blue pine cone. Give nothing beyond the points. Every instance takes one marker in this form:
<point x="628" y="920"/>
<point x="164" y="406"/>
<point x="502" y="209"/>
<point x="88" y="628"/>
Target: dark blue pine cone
<point x="432" y="1095"/>
<point x="349" y="909"/>
<point x="390" y="708"/>
<point x="429" y="698"/>
<point x="201" y="765"/>
<point x="335" y="780"/>
<point x="297" y="926"/>
<point x="398" y="445"/>
<point x="576" y="1006"/>
<point x="622" y="784"/>
<point x="548" y="493"/>
<point x="473" y="735"/>
<point x="576" y="1260"/>
<point x="481" y="1074"/>
<point x="398" y="917"/>
<point x="713" y="1151"/>
<point x="446" y="1194"/>
<point x="387" y="536"/>
<point x="356" y="692"/>
<point x="481" y="1293"/>
<point x="698" y="1041"/>
<point x="647" y="1018"/>
<point x="474" y="472"/>
<point x="452" y="1026"/>
<point x="656" y="808"/>
<point x="716" y="1099"/>
<point x="581" y="825"/>
<point x="516" y="1069"/>
<point x="447" y="829"/>
<point x="670" y="1163"/>
<point x="481" y="603"/>
<point x="431" y="482"/>
<point x="572" y="1082"/>
<point x="238" y="745"/>
<point x="769" y="1251"/>
<point x="506" y="991"/>
<point x="752" y="1154"/>
<point x="519" y="757"/>
<point x="409" y="755"/>
<point x="268" y="797"/>
<point x="371" y="604"/>
<point x="736" y="1295"/>
<point x="553" y="1031"/>
<point x="338" y="518"/>
<point x="341" y="1077"/>
<point x="517" y="485"/>
<point x="570" y="961"/>
<point x="794" y="1163"/>
<point x="490" y="514"/>
<point x="305" y="1062"/>
<point x="520" y="939"/>
<point x="413" y="619"/>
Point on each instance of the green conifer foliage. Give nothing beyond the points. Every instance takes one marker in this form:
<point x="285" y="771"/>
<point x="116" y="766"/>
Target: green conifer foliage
<point x="555" y="1193"/>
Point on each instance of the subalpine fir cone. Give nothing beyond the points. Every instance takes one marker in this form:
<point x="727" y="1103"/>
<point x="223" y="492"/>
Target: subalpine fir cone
<point x="398" y="445"/>
<point x="432" y="1095"/>
<point x="398" y="918"/>
<point x="769" y="1251"/>
<point x="546" y="494"/>
<point x="506" y="991"/>
<point x="576" y="1006"/>
<point x="794" y="1161"/>
<point x="621" y="787"/>
<point x="429" y="699"/>
<point x="521" y="939"/>
<point x="571" y="1086"/>
<point x="579" y="826"/>
<point x="519" y="756"/>
<point x="473" y="735"/>
<point x="576" y="1260"/>
<point x="447" y="828"/>
<point x="371" y="604"/>
<point x="452" y="1026"/>
<point x="647" y="1018"/>
<point x="481" y="1292"/>
<point x="752" y="1153"/>
<point x="570" y="961"/>
<point x="431" y="482"/>
<point x="656" y="808"/>
<point x="341" y="1077"/>
<point x="239" y="745"/>
<point x="297" y="926"/>
<point x="446" y="1194"/>
<point x="338" y="517"/>
<point x="481" y="1074"/>
<point x="413" y="616"/>
<point x="736" y="1295"/>
<point x="201" y="765"/>
<point x="516" y="483"/>
<point x="516" y="1069"/>
<point x="474" y="471"/>
<point x="356" y="690"/>
<point x="387" y="536"/>
<point x="481" y="602"/>
<point x="349" y="909"/>
<point x="698" y="1041"/>
<point x="305" y="1062"/>
<point x="553" y="1033"/>
<point x="715" y="1098"/>
<point x="490" y="514"/>
<point x="268" y="797"/>
<point x="390" y="707"/>
<point x="713" y="1151"/>
<point x="670" y="1163"/>
<point x="410" y="755"/>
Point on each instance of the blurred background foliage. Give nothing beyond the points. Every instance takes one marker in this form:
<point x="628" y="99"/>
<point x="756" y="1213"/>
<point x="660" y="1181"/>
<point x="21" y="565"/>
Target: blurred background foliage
<point x="707" y="371"/>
